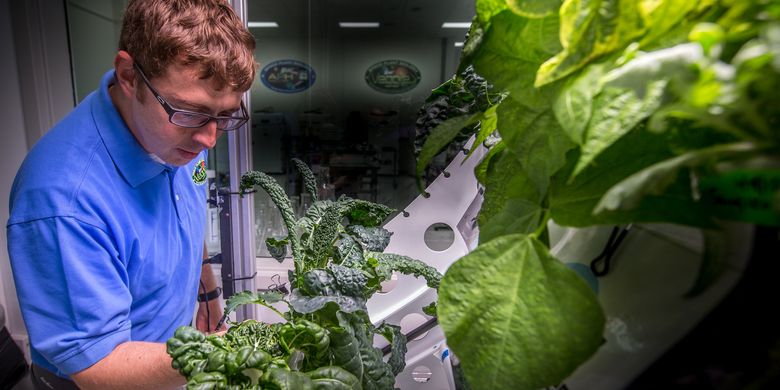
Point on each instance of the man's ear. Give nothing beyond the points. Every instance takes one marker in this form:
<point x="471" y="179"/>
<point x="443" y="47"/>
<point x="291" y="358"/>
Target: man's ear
<point x="125" y="73"/>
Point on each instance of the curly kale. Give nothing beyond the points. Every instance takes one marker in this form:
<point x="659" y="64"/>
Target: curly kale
<point x="465" y="94"/>
<point x="327" y="341"/>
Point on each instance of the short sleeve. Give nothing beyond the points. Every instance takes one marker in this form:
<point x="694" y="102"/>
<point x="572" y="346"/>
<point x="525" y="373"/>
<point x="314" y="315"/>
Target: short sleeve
<point x="72" y="288"/>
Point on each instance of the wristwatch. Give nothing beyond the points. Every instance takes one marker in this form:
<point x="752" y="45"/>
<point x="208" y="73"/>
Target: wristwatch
<point x="211" y="295"/>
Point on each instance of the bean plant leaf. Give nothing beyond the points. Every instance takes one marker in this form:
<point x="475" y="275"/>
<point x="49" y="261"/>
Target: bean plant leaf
<point x="512" y="203"/>
<point x="516" y="317"/>
<point x="590" y="29"/>
<point x="655" y="179"/>
<point x="534" y="8"/>
<point x="573" y="104"/>
<point x="615" y="112"/>
<point x="572" y="204"/>
<point x="537" y="140"/>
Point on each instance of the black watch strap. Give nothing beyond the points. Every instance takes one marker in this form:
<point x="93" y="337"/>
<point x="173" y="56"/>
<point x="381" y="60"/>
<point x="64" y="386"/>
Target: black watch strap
<point x="211" y="295"/>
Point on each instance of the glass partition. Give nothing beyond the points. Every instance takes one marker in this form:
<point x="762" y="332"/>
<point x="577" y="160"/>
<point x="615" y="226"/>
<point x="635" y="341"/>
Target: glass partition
<point x="339" y="86"/>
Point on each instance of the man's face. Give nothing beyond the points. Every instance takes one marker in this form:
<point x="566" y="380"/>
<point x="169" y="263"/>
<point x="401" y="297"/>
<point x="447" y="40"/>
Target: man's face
<point x="182" y="89"/>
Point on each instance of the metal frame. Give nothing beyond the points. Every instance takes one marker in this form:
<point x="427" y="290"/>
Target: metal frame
<point x="237" y="215"/>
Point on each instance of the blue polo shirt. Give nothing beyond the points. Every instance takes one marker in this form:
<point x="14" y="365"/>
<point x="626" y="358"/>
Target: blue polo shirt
<point x="105" y="242"/>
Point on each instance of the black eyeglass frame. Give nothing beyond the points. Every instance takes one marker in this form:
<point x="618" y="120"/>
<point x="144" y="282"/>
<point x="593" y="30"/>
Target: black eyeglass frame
<point x="207" y="118"/>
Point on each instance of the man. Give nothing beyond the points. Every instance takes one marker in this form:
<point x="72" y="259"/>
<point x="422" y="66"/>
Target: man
<point x="108" y="209"/>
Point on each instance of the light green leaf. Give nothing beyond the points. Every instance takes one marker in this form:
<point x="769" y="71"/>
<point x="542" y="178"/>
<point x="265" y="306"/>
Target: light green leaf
<point x="572" y="203"/>
<point x="487" y="127"/>
<point x="590" y="29"/>
<point x="511" y="52"/>
<point x="655" y="179"/>
<point x="516" y="317"/>
<point x="486" y="9"/>
<point x="573" y="104"/>
<point x="512" y="203"/>
<point x="534" y="8"/>
<point x="615" y="112"/>
<point x="663" y="16"/>
<point x="537" y="140"/>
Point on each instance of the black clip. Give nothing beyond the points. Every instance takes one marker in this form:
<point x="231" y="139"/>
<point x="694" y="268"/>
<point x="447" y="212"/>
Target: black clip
<point x="245" y="277"/>
<point x="615" y="238"/>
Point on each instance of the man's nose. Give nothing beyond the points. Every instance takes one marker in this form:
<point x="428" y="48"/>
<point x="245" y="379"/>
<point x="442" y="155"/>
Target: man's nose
<point x="207" y="134"/>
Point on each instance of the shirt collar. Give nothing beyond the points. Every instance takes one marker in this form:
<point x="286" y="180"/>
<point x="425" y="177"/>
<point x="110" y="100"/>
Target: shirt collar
<point x="132" y="161"/>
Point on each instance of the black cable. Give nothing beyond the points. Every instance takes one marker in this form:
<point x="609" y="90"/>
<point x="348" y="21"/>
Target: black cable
<point x="615" y="238"/>
<point x="208" y="313"/>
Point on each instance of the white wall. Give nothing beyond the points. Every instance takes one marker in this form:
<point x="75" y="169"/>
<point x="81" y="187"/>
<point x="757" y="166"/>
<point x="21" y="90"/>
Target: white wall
<point x="12" y="152"/>
<point x="94" y="27"/>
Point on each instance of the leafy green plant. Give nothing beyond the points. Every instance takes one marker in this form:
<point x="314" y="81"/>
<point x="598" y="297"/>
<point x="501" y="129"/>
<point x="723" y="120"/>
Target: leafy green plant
<point x="618" y="111"/>
<point x="327" y="339"/>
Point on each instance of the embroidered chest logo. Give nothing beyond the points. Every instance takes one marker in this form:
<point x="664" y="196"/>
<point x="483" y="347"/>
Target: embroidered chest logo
<point x="199" y="173"/>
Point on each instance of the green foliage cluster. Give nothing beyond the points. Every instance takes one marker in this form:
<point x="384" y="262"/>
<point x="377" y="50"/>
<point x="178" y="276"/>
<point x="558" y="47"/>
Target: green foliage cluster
<point x="618" y="111"/>
<point x="327" y="339"/>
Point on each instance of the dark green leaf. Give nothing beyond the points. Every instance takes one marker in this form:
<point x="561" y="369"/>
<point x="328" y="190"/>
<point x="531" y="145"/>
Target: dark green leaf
<point x="277" y="248"/>
<point x="333" y="378"/>
<point x="363" y="212"/>
<point x="409" y="266"/>
<point x="305" y="304"/>
<point x="516" y="317"/>
<point x="282" y="379"/>
<point x="397" y="340"/>
<point x="323" y="236"/>
<point x="713" y="263"/>
<point x="349" y="252"/>
<point x="350" y="281"/>
<point x="309" y="182"/>
<point x="373" y="239"/>
<point x="280" y="199"/>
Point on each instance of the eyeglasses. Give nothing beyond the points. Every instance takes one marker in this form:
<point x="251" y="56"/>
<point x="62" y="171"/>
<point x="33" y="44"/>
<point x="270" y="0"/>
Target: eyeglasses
<point x="191" y="119"/>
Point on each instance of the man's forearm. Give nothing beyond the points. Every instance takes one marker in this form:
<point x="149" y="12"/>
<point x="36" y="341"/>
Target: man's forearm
<point x="132" y="365"/>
